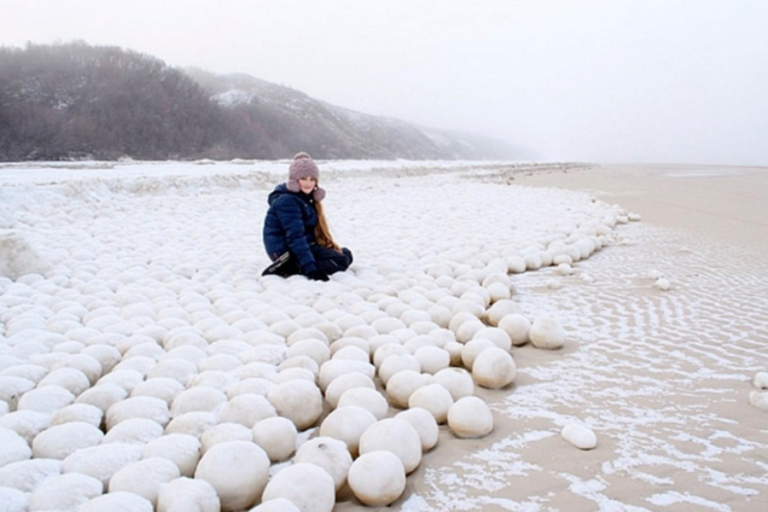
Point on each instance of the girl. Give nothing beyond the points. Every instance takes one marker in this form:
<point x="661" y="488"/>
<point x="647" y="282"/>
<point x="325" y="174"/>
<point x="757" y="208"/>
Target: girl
<point x="296" y="234"/>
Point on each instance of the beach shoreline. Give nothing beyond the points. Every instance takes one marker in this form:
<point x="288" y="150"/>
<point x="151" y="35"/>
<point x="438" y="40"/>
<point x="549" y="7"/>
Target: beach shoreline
<point x="703" y="228"/>
<point x="718" y="201"/>
<point x="665" y="321"/>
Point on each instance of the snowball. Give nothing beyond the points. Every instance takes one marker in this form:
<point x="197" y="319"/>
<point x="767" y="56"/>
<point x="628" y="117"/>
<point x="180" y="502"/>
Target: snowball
<point x="300" y="361"/>
<point x="472" y="349"/>
<point x="579" y="436"/>
<point x="440" y="315"/>
<point x="353" y="353"/>
<point x="760" y="380"/>
<point x="268" y="354"/>
<point x="397" y="363"/>
<point x="335" y="367"/>
<point x="102" y="396"/>
<point x="516" y="264"/>
<point x="222" y="433"/>
<point x="434" y="398"/>
<point x="198" y="399"/>
<point x="12" y="388"/>
<point x="117" y="502"/>
<point x="397" y="436"/>
<point x="470" y="416"/>
<point x="367" y="398"/>
<point x="328" y="453"/>
<point x="307" y="333"/>
<point x="316" y="349"/>
<point x="247" y="410"/>
<point x="106" y="355"/>
<point x="277" y="436"/>
<point x="386" y="325"/>
<point x="181" y="449"/>
<point x="65" y="492"/>
<point x="133" y="430"/>
<point x="26" y="475"/>
<point x="85" y="413"/>
<point x="101" y="461"/>
<point x="14" y="500"/>
<point x="164" y="388"/>
<point x="468" y="330"/>
<point x="432" y="359"/>
<point x="517" y="327"/>
<point x="494" y="368"/>
<point x="255" y="385"/>
<point x="26" y="423"/>
<point x="457" y="381"/>
<point x="60" y="441"/>
<point x="46" y="399"/>
<point x="498" y="291"/>
<point x="461" y="317"/>
<point x="499" y="310"/>
<point x="137" y="407"/>
<point x="389" y="346"/>
<point x="317" y="492"/>
<point x="402" y="384"/>
<point x="342" y="383"/>
<point x="423" y="421"/>
<point x="88" y="365"/>
<point x="194" y="423"/>
<point x="218" y="379"/>
<point x="187" y="495"/>
<point x="126" y="379"/>
<point x="219" y="362"/>
<point x="13" y="447"/>
<point x="238" y="470"/>
<point x="377" y="478"/>
<point x="179" y="369"/>
<point x="17" y="368"/>
<point x="298" y="400"/>
<point x="498" y="336"/>
<point x="256" y="369"/>
<point x="144" y="477"/>
<point x="461" y="309"/>
<point x="347" y="424"/>
<point x="547" y="333"/>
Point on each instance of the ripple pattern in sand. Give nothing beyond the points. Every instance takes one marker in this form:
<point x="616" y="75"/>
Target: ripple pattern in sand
<point x="661" y="376"/>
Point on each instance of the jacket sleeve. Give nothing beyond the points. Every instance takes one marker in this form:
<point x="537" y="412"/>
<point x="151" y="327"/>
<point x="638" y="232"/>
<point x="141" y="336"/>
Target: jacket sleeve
<point x="289" y="213"/>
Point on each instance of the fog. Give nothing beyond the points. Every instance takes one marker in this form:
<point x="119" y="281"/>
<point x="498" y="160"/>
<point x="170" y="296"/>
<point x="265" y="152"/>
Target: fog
<point x="590" y="80"/>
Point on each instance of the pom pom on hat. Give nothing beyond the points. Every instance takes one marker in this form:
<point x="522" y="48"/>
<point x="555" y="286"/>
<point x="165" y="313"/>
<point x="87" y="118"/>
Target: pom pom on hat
<point x="301" y="167"/>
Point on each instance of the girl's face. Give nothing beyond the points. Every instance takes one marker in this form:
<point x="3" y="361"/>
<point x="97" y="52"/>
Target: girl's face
<point x="307" y="184"/>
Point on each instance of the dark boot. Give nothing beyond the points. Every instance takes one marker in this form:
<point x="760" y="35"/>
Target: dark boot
<point x="284" y="266"/>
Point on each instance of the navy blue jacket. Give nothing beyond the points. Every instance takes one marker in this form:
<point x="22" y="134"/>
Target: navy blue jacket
<point x="290" y="225"/>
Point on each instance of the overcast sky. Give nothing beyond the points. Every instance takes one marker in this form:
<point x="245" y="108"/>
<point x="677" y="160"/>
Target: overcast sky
<point x="598" y="80"/>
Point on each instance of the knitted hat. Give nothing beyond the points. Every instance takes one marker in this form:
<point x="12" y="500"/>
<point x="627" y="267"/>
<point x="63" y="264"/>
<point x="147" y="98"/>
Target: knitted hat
<point x="301" y="167"/>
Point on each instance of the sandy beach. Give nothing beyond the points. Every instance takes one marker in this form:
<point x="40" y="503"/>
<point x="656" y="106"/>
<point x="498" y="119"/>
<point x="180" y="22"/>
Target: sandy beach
<point x="666" y="325"/>
<point x="663" y="377"/>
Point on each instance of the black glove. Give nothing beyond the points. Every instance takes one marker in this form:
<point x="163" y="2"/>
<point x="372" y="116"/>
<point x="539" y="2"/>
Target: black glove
<point x="317" y="275"/>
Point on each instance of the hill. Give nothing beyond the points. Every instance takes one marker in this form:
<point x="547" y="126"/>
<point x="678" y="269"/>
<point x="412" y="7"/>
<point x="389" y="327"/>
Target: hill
<point x="77" y="101"/>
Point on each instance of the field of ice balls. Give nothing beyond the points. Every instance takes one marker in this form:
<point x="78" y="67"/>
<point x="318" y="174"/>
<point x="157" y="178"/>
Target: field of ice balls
<point x="145" y="364"/>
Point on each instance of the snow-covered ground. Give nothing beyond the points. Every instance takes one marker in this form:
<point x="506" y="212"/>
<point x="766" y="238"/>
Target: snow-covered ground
<point x="135" y="329"/>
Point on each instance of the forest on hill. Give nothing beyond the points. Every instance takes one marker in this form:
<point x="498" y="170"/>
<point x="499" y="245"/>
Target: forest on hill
<point x="77" y="101"/>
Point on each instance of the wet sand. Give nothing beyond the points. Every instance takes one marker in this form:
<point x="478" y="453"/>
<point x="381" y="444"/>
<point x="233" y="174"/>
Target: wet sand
<point x="662" y="376"/>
